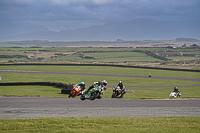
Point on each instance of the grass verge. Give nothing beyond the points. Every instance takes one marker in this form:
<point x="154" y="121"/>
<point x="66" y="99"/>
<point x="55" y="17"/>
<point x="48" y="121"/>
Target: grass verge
<point x="140" y="93"/>
<point x="99" y="125"/>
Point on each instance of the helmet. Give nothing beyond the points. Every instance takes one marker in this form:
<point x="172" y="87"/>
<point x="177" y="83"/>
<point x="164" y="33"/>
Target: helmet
<point x="175" y="88"/>
<point x="120" y="82"/>
<point x="82" y="83"/>
<point x="104" y="82"/>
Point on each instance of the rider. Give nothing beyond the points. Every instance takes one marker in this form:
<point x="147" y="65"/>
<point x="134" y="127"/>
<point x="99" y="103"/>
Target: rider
<point x="122" y="87"/>
<point x="177" y="91"/>
<point x="149" y="75"/>
<point x="82" y="86"/>
<point x="99" y="84"/>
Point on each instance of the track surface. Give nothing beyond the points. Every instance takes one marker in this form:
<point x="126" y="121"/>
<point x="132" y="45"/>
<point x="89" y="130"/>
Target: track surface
<point x="35" y="107"/>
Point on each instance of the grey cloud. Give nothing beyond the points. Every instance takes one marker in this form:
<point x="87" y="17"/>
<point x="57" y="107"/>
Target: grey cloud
<point x="96" y="11"/>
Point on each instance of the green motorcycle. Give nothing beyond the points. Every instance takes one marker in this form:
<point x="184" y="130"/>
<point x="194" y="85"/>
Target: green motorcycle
<point x="93" y="93"/>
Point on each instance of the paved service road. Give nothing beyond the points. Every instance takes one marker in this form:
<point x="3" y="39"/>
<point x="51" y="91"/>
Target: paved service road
<point x="35" y="107"/>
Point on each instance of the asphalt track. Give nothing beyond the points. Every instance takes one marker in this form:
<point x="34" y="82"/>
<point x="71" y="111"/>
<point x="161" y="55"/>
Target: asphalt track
<point x="35" y="107"/>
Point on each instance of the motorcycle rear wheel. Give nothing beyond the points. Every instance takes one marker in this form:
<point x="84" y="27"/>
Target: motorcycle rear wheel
<point x="93" y="95"/>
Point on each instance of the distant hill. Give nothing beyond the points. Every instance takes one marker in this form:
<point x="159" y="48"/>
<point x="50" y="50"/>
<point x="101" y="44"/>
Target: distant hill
<point x="187" y="39"/>
<point x="140" y="29"/>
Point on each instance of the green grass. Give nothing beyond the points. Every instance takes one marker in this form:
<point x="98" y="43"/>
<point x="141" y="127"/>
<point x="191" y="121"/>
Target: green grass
<point x="102" y="70"/>
<point x="99" y="125"/>
<point x="108" y="57"/>
<point x="115" y="54"/>
<point x="31" y="91"/>
<point x="73" y="57"/>
<point x="183" y="58"/>
<point x="11" y="53"/>
<point x="15" y="59"/>
<point x="87" y="124"/>
<point x="26" y="77"/>
<point x="140" y="93"/>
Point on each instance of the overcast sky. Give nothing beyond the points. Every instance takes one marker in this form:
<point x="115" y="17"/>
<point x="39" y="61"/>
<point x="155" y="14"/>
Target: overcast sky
<point x="59" y="15"/>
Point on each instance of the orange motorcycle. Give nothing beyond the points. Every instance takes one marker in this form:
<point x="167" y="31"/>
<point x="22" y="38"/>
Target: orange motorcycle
<point x="75" y="91"/>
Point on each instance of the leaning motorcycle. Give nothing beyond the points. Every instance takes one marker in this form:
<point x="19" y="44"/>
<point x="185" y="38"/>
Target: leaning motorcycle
<point x="117" y="92"/>
<point x="174" y="94"/>
<point x="93" y="93"/>
<point x="75" y="91"/>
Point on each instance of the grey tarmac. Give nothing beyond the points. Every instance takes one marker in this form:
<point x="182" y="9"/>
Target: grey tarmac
<point x="36" y="107"/>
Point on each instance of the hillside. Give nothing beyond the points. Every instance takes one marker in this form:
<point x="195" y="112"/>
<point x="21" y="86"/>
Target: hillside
<point x="140" y="29"/>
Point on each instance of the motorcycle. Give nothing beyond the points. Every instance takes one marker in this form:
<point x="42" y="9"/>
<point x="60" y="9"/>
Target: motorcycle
<point x="117" y="92"/>
<point x="174" y="94"/>
<point x="75" y="91"/>
<point x="93" y="93"/>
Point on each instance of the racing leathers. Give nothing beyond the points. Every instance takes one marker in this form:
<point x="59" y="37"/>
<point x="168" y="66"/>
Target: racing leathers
<point x="101" y="86"/>
<point x="83" y="90"/>
<point x="177" y="91"/>
<point x="122" y="87"/>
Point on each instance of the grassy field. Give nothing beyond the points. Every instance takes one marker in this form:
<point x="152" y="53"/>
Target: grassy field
<point x="140" y="92"/>
<point x="87" y="124"/>
<point x="99" y="125"/>
<point x="100" y="54"/>
<point x="101" y="70"/>
<point x="183" y="58"/>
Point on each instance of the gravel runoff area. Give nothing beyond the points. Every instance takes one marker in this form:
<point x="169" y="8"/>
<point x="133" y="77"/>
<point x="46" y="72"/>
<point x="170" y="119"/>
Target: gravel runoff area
<point x="35" y="107"/>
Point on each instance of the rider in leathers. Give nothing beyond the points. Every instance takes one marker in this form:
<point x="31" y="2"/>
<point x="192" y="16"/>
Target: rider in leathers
<point x="99" y="84"/>
<point x="82" y="86"/>
<point x="122" y="87"/>
<point x="177" y="91"/>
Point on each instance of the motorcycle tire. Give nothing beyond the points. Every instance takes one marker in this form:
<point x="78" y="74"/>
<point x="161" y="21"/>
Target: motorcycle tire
<point x="71" y="94"/>
<point x="82" y="97"/>
<point x="113" y="95"/>
<point x="94" y="95"/>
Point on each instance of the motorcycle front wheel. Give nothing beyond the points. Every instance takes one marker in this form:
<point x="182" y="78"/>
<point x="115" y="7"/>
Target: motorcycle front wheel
<point x="71" y="94"/>
<point x="82" y="97"/>
<point x="113" y="95"/>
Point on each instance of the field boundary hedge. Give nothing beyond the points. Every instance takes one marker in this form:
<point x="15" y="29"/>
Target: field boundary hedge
<point x="144" y="67"/>
<point x="66" y="88"/>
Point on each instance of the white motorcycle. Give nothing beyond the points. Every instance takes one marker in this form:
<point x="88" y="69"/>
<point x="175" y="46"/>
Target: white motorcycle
<point x="174" y="94"/>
